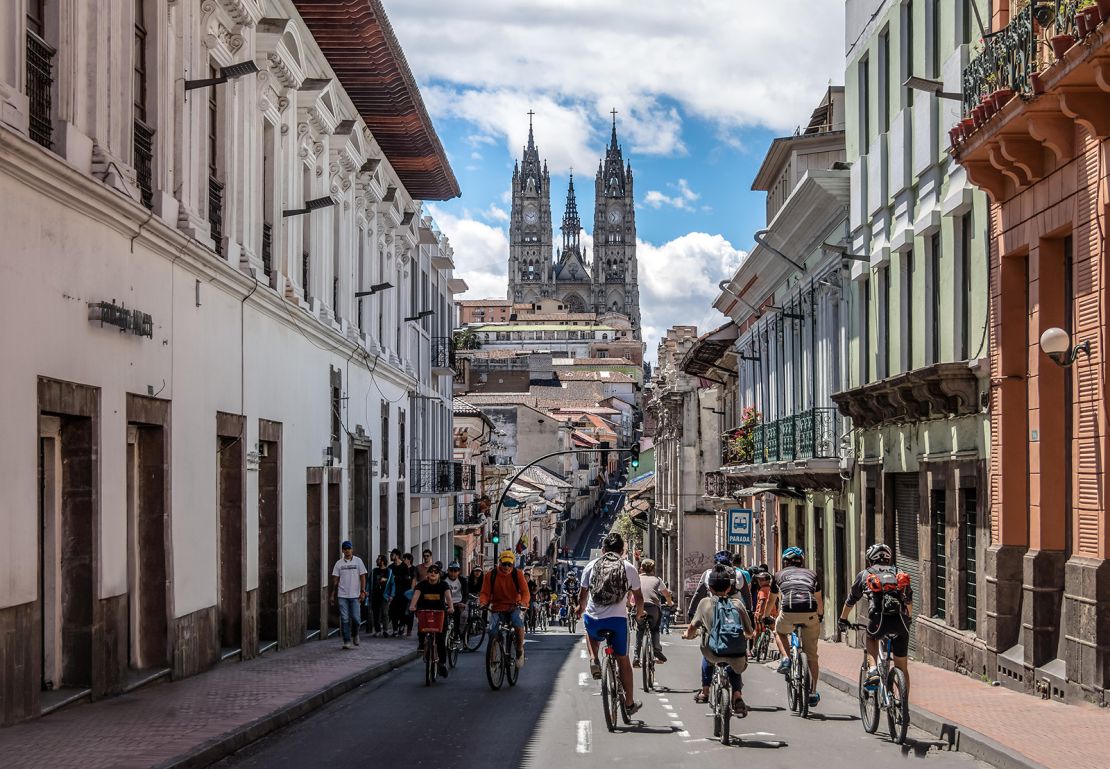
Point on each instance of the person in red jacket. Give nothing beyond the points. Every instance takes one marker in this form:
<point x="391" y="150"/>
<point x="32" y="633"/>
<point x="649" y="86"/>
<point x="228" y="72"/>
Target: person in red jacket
<point x="505" y="592"/>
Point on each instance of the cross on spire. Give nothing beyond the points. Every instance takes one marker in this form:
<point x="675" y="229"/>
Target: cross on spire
<point x="614" y="111"/>
<point x="530" y="114"/>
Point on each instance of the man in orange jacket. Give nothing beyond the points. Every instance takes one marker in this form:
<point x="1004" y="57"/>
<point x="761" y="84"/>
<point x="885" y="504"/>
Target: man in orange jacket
<point x="505" y="592"/>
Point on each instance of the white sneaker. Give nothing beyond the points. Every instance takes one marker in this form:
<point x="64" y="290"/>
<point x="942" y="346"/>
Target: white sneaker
<point x="520" y="661"/>
<point x="346" y="645"/>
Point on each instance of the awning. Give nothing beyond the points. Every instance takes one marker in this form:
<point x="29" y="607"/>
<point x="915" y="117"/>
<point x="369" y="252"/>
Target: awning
<point x="709" y="349"/>
<point x="778" y="491"/>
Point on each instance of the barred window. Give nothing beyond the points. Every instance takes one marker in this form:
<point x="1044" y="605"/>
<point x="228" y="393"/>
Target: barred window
<point x="940" y="560"/>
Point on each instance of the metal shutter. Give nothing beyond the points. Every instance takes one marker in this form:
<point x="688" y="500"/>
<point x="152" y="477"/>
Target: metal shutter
<point x="906" y="506"/>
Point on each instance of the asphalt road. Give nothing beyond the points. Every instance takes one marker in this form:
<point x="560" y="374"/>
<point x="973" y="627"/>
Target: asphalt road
<point x="598" y="525"/>
<point x="552" y="719"/>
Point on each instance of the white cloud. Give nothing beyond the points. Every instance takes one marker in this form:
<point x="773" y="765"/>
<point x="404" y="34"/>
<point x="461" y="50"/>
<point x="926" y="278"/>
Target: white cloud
<point x="495" y="214"/>
<point x="683" y="198"/>
<point x="481" y="253"/>
<point x="732" y="63"/>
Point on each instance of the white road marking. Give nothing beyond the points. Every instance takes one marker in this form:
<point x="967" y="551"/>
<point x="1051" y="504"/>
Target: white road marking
<point x="583" y="679"/>
<point x="679" y="724"/>
<point x="584" y="655"/>
<point x="664" y="699"/>
<point x="585" y="736"/>
<point x="668" y="707"/>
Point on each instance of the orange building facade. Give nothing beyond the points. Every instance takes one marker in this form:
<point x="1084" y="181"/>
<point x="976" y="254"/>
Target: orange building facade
<point x="1036" y="139"/>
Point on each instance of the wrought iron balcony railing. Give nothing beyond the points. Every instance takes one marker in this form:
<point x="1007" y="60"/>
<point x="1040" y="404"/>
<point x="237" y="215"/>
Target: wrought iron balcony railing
<point x="40" y="79"/>
<point x="811" y="434"/>
<point x="443" y="354"/>
<point x="436" y="476"/>
<point x="267" y="248"/>
<point x="144" y="154"/>
<point x="1012" y="55"/>
<point x="468" y="513"/>
<point x="216" y="213"/>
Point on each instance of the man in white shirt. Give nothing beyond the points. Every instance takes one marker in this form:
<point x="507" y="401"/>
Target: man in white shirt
<point x="606" y="583"/>
<point x="348" y="589"/>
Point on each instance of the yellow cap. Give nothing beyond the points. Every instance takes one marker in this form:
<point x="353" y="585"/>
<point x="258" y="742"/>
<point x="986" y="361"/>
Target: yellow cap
<point x="507" y="557"/>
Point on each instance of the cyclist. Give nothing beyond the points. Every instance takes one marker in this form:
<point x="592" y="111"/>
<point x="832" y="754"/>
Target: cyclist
<point x="542" y="598"/>
<point x="432" y="593"/>
<point x="601" y="602"/>
<point x="460" y="591"/>
<point x="505" y="592"/>
<point x="721" y="590"/>
<point x="765" y="614"/>
<point x="655" y="593"/>
<point x="474" y="582"/>
<point x="889" y="611"/>
<point x="797" y="595"/>
<point x="571" y="585"/>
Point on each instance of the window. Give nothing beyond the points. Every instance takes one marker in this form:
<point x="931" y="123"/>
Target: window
<point x="908" y="267"/>
<point x="907" y="49"/>
<point x="864" y="78"/>
<point x="267" y="196"/>
<point x="934" y="38"/>
<point x="40" y="76"/>
<point x="865" y="337"/>
<point x="400" y="444"/>
<point x="884" y="286"/>
<point x="965" y="225"/>
<point x="940" y="560"/>
<point x="934" y="287"/>
<point x="385" y="438"/>
<point x="884" y="81"/>
<point x="143" y="140"/>
<point x="215" y="186"/>
<point x="970" y="555"/>
<point x="965" y="21"/>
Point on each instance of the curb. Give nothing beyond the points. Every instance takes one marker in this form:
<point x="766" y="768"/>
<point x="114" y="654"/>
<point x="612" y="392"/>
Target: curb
<point x="213" y="750"/>
<point x="956" y="736"/>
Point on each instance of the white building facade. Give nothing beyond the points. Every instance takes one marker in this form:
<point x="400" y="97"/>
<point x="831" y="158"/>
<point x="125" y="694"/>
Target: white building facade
<point x="204" y="408"/>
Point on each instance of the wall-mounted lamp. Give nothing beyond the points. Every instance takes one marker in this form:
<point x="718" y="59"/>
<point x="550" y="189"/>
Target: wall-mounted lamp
<point x="931" y="86"/>
<point x="1056" y="344"/>
<point x="375" y="288"/>
<point x="843" y="251"/>
<point x="230" y="72"/>
<point x="310" y="206"/>
<point x="421" y="314"/>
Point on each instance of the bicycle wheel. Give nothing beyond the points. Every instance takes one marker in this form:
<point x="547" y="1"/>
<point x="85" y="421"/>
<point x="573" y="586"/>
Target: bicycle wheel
<point x="791" y="685"/>
<point x="647" y="658"/>
<point x="454" y="643"/>
<point x="609" y="694"/>
<point x="724" y="707"/>
<point x="572" y="624"/>
<point x="764" y="644"/>
<point x="429" y="660"/>
<point x="868" y="704"/>
<point x="495" y="667"/>
<point x="898" y="709"/>
<point x="803" y="685"/>
<point x="473" y="635"/>
<point x="512" y="672"/>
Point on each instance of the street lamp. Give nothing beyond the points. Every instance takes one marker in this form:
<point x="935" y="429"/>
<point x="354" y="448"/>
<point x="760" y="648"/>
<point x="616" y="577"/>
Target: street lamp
<point x="932" y="86"/>
<point x="1056" y="344"/>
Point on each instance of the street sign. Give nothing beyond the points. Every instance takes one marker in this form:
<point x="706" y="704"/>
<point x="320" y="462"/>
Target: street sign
<point x="739" y="526"/>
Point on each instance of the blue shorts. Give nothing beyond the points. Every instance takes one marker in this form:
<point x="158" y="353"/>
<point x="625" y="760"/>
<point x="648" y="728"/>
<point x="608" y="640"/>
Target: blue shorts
<point x="514" y="618"/>
<point x="618" y="626"/>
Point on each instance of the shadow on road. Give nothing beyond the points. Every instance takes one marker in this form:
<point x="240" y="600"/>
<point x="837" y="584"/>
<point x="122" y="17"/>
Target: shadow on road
<point x="831" y="716"/>
<point x="766" y="708"/>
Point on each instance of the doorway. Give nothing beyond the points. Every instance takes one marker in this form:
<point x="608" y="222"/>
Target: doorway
<point x="269" y="533"/>
<point x="383" y="524"/>
<point x="906" y="509"/>
<point x="230" y="498"/>
<point x="147" y="572"/>
<point x="315" y="555"/>
<point x="360" y="512"/>
<point x="335" y="535"/>
<point x="66" y="567"/>
<point x="402" y="520"/>
<point x="840" y="557"/>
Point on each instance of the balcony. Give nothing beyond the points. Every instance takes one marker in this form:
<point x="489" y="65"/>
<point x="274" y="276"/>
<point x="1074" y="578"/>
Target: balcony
<point x="216" y="213"/>
<point x="440" y="476"/>
<point x="468" y="513"/>
<point x="443" y="355"/>
<point x="267" y="248"/>
<point x="144" y="153"/>
<point x="801" y="449"/>
<point x="1052" y="57"/>
<point x="40" y="79"/>
<point x="932" y="392"/>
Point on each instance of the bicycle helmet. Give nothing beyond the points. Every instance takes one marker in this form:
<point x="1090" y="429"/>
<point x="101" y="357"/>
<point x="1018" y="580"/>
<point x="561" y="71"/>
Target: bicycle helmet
<point x="723" y="557"/>
<point x="879" y="553"/>
<point x="720" y="579"/>
<point x="792" y="554"/>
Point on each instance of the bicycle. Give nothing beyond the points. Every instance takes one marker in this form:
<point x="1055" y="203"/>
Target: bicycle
<point x="612" y="688"/>
<point x="501" y="655"/>
<point x="530" y="619"/>
<point x="797" y="677"/>
<point x="888" y="693"/>
<point x="454" y="643"/>
<point x="572" y="620"/>
<point x="720" y="701"/>
<point x="541" y="618"/>
<point x="429" y="623"/>
<point x="761" y="647"/>
<point x="475" y="630"/>
<point x="647" y="655"/>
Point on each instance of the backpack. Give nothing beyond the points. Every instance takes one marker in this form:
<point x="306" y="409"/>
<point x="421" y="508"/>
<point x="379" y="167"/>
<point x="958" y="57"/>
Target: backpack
<point x="609" y="580"/>
<point x="493" y="580"/>
<point x="726" y="637"/>
<point x="887" y="588"/>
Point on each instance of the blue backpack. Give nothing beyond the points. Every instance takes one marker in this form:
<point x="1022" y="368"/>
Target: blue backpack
<point x="726" y="637"/>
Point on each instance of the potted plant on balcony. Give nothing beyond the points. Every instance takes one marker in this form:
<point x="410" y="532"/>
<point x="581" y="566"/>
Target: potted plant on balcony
<point x="741" y="443"/>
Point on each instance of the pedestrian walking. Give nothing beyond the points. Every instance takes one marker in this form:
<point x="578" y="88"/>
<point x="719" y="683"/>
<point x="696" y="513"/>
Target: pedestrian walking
<point x="407" y="618"/>
<point x="399" y="578"/>
<point x="348" y="586"/>
<point x="379" y="581"/>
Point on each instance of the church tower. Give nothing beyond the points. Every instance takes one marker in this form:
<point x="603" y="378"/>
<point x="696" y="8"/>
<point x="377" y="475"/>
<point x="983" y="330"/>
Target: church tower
<point x="531" y="273"/>
<point x="573" y="284"/>
<point x="615" y="273"/>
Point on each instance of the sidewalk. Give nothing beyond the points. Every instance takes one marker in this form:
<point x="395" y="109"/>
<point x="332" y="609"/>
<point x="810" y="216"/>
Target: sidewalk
<point x="1006" y="728"/>
<point x="197" y="720"/>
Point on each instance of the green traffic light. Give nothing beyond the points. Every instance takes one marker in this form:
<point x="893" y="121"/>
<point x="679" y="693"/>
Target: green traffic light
<point x="635" y="463"/>
<point x="496" y="539"/>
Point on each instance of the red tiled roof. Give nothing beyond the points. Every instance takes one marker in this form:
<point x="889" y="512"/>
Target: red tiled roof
<point x="360" y="46"/>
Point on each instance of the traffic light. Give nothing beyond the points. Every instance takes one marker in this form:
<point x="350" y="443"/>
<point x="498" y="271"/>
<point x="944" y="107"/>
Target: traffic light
<point x="634" y="456"/>
<point x="496" y="539"/>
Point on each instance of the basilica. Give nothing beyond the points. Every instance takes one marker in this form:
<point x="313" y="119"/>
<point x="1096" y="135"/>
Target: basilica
<point x="606" y="283"/>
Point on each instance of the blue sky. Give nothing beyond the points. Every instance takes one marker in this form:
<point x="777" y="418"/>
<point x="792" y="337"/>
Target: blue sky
<point x="701" y="88"/>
